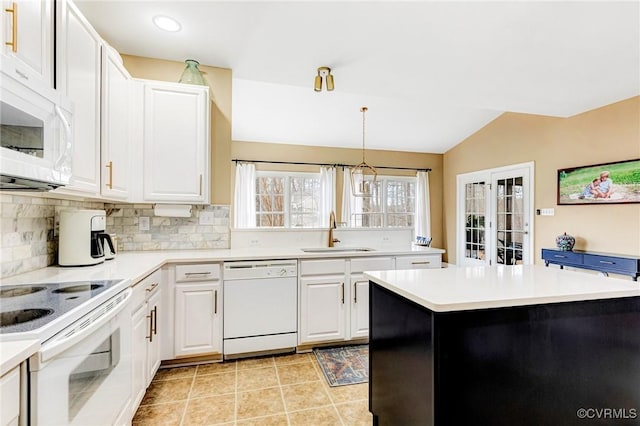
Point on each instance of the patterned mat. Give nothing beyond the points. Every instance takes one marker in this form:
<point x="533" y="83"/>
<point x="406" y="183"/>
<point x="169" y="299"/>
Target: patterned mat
<point x="346" y="365"/>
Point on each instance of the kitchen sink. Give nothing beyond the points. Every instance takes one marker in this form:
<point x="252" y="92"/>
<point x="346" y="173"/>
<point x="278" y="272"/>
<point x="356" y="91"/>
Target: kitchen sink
<point x="335" y="249"/>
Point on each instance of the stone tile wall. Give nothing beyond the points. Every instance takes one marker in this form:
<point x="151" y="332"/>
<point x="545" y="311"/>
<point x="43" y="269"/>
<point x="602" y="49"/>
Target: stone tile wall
<point x="167" y="233"/>
<point x="29" y="229"/>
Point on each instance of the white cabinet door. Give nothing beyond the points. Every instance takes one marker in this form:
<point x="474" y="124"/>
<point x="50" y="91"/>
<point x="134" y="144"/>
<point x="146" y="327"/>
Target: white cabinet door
<point x="154" y="309"/>
<point x="27" y="38"/>
<point x="78" y="58"/>
<point x="115" y="168"/>
<point x="198" y="318"/>
<point x="322" y="309"/>
<point x="10" y="398"/>
<point x="176" y="142"/>
<point x="359" y="307"/>
<point x="141" y="327"/>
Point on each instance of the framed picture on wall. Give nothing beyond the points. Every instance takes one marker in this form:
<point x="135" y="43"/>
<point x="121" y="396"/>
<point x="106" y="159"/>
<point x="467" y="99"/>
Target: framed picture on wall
<point x="607" y="183"/>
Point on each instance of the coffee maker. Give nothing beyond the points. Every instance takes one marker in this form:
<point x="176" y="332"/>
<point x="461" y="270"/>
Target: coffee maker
<point x="82" y="237"/>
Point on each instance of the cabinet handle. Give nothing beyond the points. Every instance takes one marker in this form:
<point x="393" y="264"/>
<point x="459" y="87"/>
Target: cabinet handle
<point x="215" y="302"/>
<point x="355" y="292"/>
<point x="110" y="167"/>
<point x="150" y="336"/>
<point x="155" y="320"/>
<point x="343" y="293"/>
<point x="425" y="262"/>
<point x="200" y="193"/>
<point x="560" y="256"/>
<point x="606" y="262"/>
<point x="14" y="27"/>
<point x="151" y="287"/>
<point x="190" y="274"/>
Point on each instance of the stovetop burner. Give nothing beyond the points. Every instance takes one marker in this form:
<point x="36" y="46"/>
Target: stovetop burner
<point x="31" y="306"/>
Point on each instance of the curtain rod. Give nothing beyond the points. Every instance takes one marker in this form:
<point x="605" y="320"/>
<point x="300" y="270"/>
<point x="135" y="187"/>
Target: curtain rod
<point x="301" y="163"/>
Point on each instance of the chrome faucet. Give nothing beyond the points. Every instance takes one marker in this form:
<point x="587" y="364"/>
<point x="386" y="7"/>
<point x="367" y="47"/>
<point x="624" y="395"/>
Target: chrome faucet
<point x="332" y="226"/>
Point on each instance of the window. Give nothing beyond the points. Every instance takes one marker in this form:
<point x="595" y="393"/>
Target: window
<point x="287" y="200"/>
<point x="392" y="204"/>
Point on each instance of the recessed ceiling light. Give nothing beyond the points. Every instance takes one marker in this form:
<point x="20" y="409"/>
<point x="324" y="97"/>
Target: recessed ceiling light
<point x="166" y="23"/>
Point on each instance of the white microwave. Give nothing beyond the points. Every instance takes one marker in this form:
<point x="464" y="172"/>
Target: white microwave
<point x="35" y="133"/>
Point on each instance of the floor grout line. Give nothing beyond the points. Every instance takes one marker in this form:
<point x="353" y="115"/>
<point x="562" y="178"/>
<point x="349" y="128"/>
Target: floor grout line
<point x="186" y="406"/>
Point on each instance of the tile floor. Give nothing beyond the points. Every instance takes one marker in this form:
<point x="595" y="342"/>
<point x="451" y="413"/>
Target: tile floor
<point x="277" y="390"/>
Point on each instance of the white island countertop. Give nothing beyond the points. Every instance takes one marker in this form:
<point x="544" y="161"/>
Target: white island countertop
<point x="467" y="288"/>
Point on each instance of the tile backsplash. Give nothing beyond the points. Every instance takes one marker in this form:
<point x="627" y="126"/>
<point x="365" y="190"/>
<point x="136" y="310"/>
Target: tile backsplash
<point x="168" y="233"/>
<point x="29" y="229"/>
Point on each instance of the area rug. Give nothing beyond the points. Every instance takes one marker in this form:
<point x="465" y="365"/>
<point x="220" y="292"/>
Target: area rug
<point x="345" y="365"/>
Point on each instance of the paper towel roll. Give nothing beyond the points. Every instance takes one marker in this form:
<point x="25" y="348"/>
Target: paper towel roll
<point x="172" y="210"/>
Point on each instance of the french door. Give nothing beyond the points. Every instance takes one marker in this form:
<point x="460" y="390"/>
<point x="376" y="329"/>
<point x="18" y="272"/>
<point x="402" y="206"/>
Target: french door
<point x="494" y="216"/>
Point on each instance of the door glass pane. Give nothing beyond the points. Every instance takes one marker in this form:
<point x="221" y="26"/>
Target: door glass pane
<point x="475" y="220"/>
<point x="510" y="225"/>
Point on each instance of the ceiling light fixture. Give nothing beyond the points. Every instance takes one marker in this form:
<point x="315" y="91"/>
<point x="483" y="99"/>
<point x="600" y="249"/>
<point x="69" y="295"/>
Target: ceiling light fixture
<point x="360" y="186"/>
<point x="323" y="72"/>
<point x="166" y="23"/>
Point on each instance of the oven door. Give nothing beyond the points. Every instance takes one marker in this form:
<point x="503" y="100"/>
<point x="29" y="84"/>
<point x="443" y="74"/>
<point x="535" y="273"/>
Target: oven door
<point x="82" y="376"/>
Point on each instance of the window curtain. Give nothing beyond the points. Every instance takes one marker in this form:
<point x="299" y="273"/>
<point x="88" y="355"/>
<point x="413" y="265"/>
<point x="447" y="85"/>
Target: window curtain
<point x="350" y="205"/>
<point x="327" y="202"/>
<point x="423" y="206"/>
<point x="244" y="197"/>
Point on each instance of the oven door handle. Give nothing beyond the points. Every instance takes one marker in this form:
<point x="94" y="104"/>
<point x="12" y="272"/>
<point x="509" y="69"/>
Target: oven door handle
<point x="84" y="327"/>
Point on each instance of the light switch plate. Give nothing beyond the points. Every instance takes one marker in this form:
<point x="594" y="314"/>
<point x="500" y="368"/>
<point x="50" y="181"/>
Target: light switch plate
<point x="206" y="218"/>
<point x="143" y="223"/>
<point x="547" y="212"/>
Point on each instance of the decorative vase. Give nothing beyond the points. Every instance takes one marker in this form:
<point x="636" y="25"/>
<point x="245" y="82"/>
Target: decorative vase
<point x="191" y="73"/>
<point x="565" y="242"/>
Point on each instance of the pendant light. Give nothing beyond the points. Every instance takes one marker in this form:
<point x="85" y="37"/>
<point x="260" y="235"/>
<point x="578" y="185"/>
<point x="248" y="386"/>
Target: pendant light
<point x="360" y="187"/>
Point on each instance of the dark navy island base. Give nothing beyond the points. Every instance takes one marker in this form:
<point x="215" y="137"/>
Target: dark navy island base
<point x="547" y="364"/>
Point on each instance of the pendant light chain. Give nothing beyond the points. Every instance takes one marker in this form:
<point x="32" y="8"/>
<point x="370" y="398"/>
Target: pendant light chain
<point x="364" y="110"/>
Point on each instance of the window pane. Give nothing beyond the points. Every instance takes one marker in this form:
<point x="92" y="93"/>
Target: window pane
<point x="287" y="200"/>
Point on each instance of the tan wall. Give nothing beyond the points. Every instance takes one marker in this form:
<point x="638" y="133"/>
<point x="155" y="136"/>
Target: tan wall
<point x="219" y="79"/>
<point x="299" y="153"/>
<point x="610" y="133"/>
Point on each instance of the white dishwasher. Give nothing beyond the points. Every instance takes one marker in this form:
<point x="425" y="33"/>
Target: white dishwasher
<point x="260" y="306"/>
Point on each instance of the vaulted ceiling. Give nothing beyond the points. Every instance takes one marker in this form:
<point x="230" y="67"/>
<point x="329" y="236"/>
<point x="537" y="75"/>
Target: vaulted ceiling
<point x="431" y="73"/>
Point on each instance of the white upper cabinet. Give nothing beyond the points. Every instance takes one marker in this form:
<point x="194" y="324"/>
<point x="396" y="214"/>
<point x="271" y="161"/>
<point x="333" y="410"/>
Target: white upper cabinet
<point x="78" y="54"/>
<point x="115" y="140"/>
<point x="176" y="143"/>
<point x="27" y="38"/>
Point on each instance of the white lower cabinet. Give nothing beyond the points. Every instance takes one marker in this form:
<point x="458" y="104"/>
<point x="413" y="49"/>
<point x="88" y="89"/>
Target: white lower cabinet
<point x="10" y="396"/>
<point x="147" y="310"/>
<point x="419" y="261"/>
<point x="322" y="309"/>
<point x="334" y="298"/>
<point x="197" y="310"/>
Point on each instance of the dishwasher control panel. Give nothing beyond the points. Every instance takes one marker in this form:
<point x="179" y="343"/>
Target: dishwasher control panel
<point x="260" y="269"/>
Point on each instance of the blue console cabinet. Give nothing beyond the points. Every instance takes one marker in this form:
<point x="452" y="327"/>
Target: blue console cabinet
<point x="602" y="262"/>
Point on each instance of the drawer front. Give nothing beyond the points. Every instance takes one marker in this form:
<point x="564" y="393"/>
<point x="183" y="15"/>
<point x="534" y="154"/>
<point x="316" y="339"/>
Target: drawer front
<point x="198" y="272"/>
<point x="565" y="257"/>
<point x="433" y="261"/>
<point x="143" y="288"/>
<point x="611" y="263"/>
<point x="322" y="267"/>
<point x="372" y="264"/>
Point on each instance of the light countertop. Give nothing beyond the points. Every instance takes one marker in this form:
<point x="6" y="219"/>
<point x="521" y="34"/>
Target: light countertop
<point x="467" y="288"/>
<point x="137" y="265"/>
<point x="13" y="353"/>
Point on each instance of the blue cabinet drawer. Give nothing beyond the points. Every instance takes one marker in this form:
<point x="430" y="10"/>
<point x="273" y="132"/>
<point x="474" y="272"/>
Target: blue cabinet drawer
<point x="611" y="263"/>
<point x="565" y="257"/>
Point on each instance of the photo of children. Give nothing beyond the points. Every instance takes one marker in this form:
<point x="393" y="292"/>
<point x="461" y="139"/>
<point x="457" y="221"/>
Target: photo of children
<point x="595" y="184"/>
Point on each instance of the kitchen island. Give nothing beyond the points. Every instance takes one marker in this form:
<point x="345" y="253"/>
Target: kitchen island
<point x="503" y="345"/>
